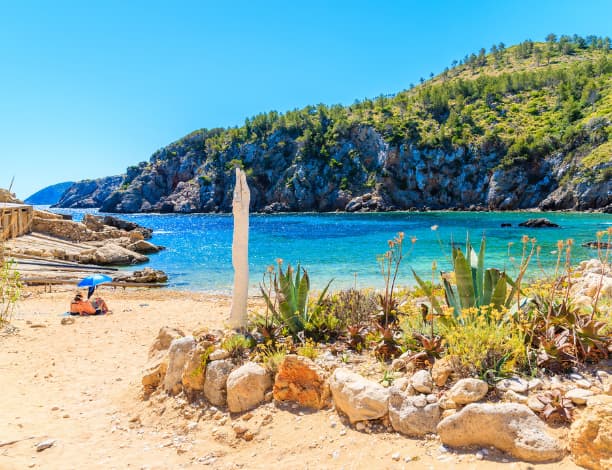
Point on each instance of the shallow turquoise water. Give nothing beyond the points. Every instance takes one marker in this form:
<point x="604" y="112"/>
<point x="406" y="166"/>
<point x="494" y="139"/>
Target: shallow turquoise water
<point x="338" y="245"/>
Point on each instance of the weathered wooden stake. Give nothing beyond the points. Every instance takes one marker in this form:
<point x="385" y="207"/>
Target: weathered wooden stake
<point x="240" y="251"/>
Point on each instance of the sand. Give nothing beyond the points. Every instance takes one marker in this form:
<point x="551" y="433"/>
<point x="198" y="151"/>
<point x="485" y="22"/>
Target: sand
<point x="79" y="385"/>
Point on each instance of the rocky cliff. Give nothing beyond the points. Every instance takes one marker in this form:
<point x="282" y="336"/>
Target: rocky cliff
<point x="500" y="131"/>
<point x="89" y="193"/>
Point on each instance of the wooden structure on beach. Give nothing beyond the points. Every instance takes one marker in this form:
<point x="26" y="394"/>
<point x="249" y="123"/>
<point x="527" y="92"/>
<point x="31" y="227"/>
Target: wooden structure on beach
<point x="15" y="220"/>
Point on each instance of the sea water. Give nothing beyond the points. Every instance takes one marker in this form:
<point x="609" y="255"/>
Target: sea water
<point x="345" y="247"/>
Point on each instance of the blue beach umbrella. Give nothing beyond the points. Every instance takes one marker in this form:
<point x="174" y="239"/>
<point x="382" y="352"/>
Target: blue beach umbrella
<point x="94" y="280"/>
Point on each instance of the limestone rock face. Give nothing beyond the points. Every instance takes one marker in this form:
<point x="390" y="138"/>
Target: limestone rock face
<point x="112" y="255"/>
<point x="468" y="391"/>
<point x="177" y="356"/>
<point x="164" y="338"/>
<point x="590" y="438"/>
<point x="360" y="399"/>
<point x="510" y="427"/>
<point x="246" y="387"/>
<point x="412" y="415"/>
<point x="89" y="193"/>
<point x="300" y="380"/>
<point x="215" y="386"/>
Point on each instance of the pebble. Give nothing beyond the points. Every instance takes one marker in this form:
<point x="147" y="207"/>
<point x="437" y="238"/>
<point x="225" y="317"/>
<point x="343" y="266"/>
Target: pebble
<point x="583" y="383"/>
<point x="479" y="455"/>
<point x="396" y="456"/>
<point x="45" y="444"/>
<point x="579" y="395"/>
<point x="432" y="398"/>
<point x="360" y="426"/>
<point x="534" y="384"/>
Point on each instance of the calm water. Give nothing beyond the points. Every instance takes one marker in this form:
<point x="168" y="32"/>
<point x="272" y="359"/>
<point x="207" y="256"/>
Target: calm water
<point x="198" y="255"/>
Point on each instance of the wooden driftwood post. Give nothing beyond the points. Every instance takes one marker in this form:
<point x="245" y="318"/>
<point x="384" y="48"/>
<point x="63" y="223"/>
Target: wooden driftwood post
<point x="240" y="251"/>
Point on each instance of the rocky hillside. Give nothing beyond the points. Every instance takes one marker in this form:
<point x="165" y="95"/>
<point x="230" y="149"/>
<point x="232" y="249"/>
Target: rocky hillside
<point x="518" y="127"/>
<point x="49" y="195"/>
<point x="89" y="193"/>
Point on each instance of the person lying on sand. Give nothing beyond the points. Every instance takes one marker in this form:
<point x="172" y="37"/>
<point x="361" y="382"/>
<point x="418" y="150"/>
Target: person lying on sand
<point x="85" y="307"/>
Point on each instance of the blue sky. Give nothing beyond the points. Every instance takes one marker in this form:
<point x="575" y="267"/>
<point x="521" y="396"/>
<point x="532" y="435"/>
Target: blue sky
<point x="88" y="88"/>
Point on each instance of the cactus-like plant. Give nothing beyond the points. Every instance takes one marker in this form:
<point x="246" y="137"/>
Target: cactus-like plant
<point x="474" y="286"/>
<point x="292" y="296"/>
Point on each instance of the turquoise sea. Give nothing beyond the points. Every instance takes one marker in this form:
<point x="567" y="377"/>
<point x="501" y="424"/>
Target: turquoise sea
<point x="345" y="246"/>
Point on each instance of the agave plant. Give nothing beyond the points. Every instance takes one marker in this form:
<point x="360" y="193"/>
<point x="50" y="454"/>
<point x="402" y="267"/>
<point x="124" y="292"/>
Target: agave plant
<point x="291" y="305"/>
<point x="556" y="405"/>
<point x="474" y="287"/>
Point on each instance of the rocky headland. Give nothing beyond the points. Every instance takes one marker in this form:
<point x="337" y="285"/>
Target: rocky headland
<point x="502" y="132"/>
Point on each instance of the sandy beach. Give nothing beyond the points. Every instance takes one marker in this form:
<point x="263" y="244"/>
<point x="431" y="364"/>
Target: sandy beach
<point x="79" y="384"/>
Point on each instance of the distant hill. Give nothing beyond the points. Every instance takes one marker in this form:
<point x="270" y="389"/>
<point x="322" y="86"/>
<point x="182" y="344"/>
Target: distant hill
<point x="511" y="127"/>
<point x="50" y="194"/>
<point x="88" y="194"/>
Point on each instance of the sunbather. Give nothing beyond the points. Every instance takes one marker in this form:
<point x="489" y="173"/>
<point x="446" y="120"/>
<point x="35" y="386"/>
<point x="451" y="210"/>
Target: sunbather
<point x="84" y="307"/>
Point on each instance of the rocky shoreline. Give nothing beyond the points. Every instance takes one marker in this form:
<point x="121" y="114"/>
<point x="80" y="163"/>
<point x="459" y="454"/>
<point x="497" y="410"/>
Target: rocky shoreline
<point x="59" y="250"/>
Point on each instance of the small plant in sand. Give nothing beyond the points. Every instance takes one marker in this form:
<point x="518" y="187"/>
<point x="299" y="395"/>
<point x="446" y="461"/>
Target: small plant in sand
<point x="290" y="305"/>
<point x="308" y="349"/>
<point x="486" y="343"/>
<point x="10" y="287"/>
<point x="389" y="263"/>
<point x="237" y="345"/>
<point x="557" y="406"/>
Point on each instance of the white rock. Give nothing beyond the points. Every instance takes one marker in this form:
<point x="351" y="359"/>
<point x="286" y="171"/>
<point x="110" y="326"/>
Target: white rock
<point x="177" y="356"/>
<point x="422" y="381"/>
<point x="45" y="444"/>
<point x="408" y="418"/>
<point x="516" y="384"/>
<point x="534" y="404"/>
<point x="510" y="427"/>
<point x="583" y="383"/>
<point x="432" y="398"/>
<point x="534" y="384"/>
<point x="396" y="456"/>
<point x="246" y="387"/>
<point x="360" y="399"/>
<point x="217" y="373"/>
<point x="514" y="397"/>
<point x="468" y="391"/>
<point x="218" y="355"/>
<point x="578" y="396"/>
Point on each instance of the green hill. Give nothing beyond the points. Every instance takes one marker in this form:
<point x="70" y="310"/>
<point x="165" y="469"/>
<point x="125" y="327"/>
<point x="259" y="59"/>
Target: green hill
<point x="513" y="127"/>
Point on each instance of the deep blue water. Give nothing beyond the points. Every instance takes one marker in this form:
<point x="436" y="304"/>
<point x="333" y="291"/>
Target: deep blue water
<point x="338" y="245"/>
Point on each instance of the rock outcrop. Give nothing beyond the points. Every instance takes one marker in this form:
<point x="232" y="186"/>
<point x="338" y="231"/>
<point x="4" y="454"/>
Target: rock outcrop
<point x="88" y="194"/>
<point x="412" y="415"/>
<point x="512" y="428"/>
<point x="538" y="223"/>
<point x="360" y="399"/>
<point x="301" y="381"/>
<point x="590" y="438"/>
<point x="246" y="387"/>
